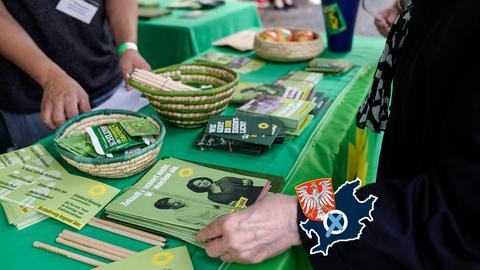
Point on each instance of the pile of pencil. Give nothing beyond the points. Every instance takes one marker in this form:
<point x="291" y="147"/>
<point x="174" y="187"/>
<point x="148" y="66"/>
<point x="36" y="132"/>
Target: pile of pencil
<point x="157" y="81"/>
<point x="99" y="248"/>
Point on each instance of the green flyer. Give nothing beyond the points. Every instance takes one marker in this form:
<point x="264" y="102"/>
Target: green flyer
<point x="52" y="191"/>
<point x="154" y="258"/>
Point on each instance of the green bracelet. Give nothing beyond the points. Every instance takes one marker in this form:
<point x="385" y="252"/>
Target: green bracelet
<point x="126" y="46"/>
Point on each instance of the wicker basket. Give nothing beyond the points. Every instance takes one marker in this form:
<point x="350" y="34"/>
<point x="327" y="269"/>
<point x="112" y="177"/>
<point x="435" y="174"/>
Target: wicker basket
<point x="293" y="51"/>
<point x="192" y="109"/>
<point x="117" y="167"/>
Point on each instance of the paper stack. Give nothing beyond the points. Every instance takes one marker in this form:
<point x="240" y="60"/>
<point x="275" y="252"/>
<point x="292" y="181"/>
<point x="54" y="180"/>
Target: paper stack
<point x="246" y="134"/>
<point x="179" y="198"/>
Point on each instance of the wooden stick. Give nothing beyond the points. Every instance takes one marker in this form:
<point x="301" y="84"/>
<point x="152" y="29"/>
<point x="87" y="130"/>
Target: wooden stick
<point x="155" y="80"/>
<point x="164" y="83"/>
<point x="128" y="229"/>
<point x="105" y="247"/>
<point x="68" y="254"/>
<point x="126" y="234"/>
<point x="90" y="250"/>
<point x="150" y="82"/>
<point x="165" y="80"/>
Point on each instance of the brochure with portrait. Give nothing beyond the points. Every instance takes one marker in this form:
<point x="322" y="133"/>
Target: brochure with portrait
<point x="179" y="198"/>
<point x="52" y="191"/>
<point x="154" y="258"/>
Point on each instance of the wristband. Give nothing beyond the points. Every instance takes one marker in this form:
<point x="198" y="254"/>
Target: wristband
<point x="126" y="46"/>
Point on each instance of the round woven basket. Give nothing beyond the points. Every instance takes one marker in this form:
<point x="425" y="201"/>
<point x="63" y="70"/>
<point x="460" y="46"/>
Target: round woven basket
<point x="192" y="109"/>
<point x="293" y="51"/>
<point x="116" y="167"/>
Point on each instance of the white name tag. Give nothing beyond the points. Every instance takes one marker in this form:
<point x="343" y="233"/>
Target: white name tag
<point x="79" y="9"/>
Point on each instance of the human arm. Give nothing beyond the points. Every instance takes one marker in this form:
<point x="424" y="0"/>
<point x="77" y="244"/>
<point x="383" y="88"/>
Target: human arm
<point x="122" y="16"/>
<point x="63" y="97"/>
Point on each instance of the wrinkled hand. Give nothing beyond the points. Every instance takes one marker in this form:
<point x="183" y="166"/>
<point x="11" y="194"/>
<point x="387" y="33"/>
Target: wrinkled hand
<point x="255" y="234"/>
<point x="385" y="19"/>
<point x="129" y="60"/>
<point x="63" y="98"/>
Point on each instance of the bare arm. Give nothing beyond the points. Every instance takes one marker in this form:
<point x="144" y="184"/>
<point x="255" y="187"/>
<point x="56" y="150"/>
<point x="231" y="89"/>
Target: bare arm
<point x="18" y="47"/>
<point x="62" y="96"/>
<point x="122" y="16"/>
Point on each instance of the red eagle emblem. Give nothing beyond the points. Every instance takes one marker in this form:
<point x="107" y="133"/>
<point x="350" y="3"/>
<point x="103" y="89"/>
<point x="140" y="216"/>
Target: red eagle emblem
<point x="316" y="198"/>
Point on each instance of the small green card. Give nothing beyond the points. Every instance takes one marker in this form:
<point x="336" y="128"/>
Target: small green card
<point x="139" y="127"/>
<point x="154" y="258"/>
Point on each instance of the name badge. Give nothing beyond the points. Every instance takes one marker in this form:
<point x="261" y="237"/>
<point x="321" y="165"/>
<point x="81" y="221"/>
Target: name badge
<point x="82" y="10"/>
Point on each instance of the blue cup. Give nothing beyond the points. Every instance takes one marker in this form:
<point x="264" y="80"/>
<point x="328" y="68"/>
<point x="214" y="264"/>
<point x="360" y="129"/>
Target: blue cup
<point x="340" y="17"/>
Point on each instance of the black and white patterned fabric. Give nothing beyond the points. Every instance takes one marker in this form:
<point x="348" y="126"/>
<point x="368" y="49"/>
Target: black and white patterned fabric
<point x="374" y="111"/>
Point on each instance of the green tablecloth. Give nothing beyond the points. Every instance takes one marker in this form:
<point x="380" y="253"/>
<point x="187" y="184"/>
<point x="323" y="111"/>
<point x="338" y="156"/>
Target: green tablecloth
<point x="171" y="39"/>
<point x="322" y="150"/>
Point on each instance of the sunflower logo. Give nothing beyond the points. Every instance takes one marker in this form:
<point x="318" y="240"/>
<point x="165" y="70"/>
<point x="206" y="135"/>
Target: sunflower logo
<point x="97" y="190"/>
<point x="185" y="172"/>
<point x="162" y="258"/>
<point x="263" y="125"/>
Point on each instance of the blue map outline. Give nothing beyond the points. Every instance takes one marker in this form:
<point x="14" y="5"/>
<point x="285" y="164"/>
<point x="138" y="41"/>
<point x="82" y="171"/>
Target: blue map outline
<point x="369" y="218"/>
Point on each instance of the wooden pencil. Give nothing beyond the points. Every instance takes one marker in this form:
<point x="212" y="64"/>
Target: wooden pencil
<point x="105" y="247"/>
<point x="128" y="229"/>
<point x="160" y="81"/>
<point x="126" y="234"/>
<point x="90" y="250"/>
<point x="68" y="254"/>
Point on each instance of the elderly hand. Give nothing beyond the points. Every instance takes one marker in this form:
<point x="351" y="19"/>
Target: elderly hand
<point x="129" y="60"/>
<point x="386" y="18"/>
<point x="265" y="229"/>
<point x="63" y="98"/>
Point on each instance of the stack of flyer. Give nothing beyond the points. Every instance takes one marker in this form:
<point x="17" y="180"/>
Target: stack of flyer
<point x="34" y="185"/>
<point x="179" y="198"/>
<point x="21" y="217"/>
<point x="294" y="114"/>
<point x="247" y="135"/>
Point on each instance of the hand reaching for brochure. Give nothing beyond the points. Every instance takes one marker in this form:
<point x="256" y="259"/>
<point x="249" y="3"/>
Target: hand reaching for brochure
<point x="129" y="60"/>
<point x="265" y="229"/>
<point x="63" y="98"/>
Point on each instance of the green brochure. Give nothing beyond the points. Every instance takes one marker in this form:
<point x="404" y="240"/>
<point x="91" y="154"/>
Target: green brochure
<point x="247" y="91"/>
<point x="238" y="63"/>
<point x="250" y="125"/>
<point x="298" y="90"/>
<point x="291" y="112"/>
<point x="17" y="215"/>
<point x="304" y="76"/>
<point x="183" y="193"/>
<point x="327" y="65"/>
<point x="52" y="191"/>
<point x="265" y="140"/>
<point x="154" y="258"/>
<point x="35" y="155"/>
<point x="179" y="198"/>
<point x="21" y="217"/>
